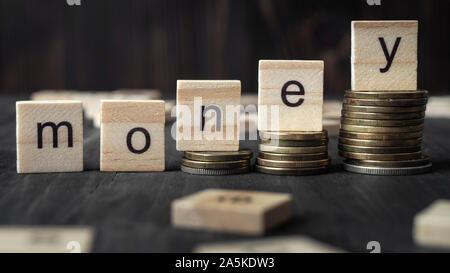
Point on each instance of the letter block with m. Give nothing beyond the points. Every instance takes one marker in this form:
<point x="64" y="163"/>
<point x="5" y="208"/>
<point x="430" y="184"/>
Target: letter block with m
<point x="49" y="136"/>
<point x="132" y="135"/>
<point x="384" y="55"/>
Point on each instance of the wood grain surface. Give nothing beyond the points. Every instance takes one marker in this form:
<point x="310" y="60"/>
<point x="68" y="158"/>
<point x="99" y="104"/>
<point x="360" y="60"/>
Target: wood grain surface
<point x="130" y="212"/>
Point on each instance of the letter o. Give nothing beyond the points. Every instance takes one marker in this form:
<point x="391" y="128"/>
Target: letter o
<point x="147" y="140"/>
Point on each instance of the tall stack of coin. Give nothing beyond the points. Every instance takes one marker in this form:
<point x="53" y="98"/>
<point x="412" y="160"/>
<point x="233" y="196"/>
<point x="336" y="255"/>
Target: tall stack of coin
<point x="216" y="163"/>
<point x="381" y="132"/>
<point x="293" y="153"/>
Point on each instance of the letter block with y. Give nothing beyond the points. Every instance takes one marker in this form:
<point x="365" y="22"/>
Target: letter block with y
<point x="208" y="115"/>
<point x="290" y="95"/>
<point x="384" y="55"/>
<point x="49" y="136"/>
<point x="132" y="135"/>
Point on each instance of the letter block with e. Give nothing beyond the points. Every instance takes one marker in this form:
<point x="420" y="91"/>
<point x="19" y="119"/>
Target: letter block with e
<point x="208" y="115"/>
<point x="384" y="55"/>
<point x="49" y="136"/>
<point x="132" y="135"/>
<point x="290" y="95"/>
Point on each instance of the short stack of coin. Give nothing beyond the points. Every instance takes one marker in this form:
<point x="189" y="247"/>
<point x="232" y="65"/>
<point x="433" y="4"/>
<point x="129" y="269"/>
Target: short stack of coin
<point x="216" y="163"/>
<point x="381" y="132"/>
<point x="293" y="153"/>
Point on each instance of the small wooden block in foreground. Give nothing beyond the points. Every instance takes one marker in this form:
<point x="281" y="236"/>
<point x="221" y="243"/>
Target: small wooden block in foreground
<point x="45" y="239"/>
<point x="288" y="244"/>
<point x="432" y="225"/>
<point x="232" y="211"/>
<point x="208" y="115"/>
<point x="132" y="135"/>
<point x="49" y="136"/>
<point x="384" y="55"/>
<point x="290" y="95"/>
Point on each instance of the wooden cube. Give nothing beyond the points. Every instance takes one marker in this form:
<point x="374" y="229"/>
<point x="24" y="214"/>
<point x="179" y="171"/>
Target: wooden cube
<point x="432" y="225"/>
<point x="208" y="115"/>
<point x="290" y="95"/>
<point x="287" y="244"/>
<point x="132" y="135"/>
<point x="232" y="211"/>
<point x="384" y="55"/>
<point x="49" y="136"/>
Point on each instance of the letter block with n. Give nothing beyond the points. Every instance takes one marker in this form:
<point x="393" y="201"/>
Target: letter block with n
<point x="208" y="113"/>
<point x="384" y="55"/>
<point x="49" y="136"/>
<point x="132" y="135"/>
<point x="290" y="95"/>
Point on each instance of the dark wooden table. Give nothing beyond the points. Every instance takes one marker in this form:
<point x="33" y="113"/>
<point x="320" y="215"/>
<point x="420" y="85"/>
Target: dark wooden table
<point x="130" y="212"/>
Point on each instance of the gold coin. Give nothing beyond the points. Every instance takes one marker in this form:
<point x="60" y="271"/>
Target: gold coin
<point x="424" y="160"/>
<point x="382" y="123"/>
<point x="380" y="136"/>
<point x="380" y="143"/>
<point x="378" y="129"/>
<point x="214" y="165"/>
<point x="292" y="150"/>
<point x="294" y="135"/>
<point x="395" y="116"/>
<point x="290" y="171"/>
<point x="292" y="164"/>
<point x="293" y="157"/>
<point x="219" y="156"/>
<point x="381" y="157"/>
<point x="295" y="143"/>
<point x="386" y="94"/>
<point x="386" y="102"/>
<point x="380" y="109"/>
<point x="378" y="150"/>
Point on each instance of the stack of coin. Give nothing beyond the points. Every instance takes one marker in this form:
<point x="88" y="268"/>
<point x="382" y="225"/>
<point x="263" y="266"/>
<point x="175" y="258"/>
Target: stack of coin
<point x="216" y="163"/>
<point x="293" y="153"/>
<point x="381" y="132"/>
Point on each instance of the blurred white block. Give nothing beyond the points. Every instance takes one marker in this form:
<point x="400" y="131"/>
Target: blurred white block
<point x="91" y="99"/>
<point x="289" y="244"/>
<point x="23" y="239"/>
<point x="432" y="225"/>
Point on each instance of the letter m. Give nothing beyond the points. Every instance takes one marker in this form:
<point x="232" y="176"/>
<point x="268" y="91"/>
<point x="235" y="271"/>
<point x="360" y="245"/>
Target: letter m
<point x="40" y="128"/>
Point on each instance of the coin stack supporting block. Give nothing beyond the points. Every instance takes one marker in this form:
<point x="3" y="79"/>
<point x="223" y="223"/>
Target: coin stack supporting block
<point x="49" y="136"/>
<point x="293" y="153"/>
<point x="383" y="115"/>
<point x="132" y="135"/>
<point x="381" y="132"/>
<point x="216" y="163"/>
<point x="208" y="115"/>
<point x="384" y="55"/>
<point x="232" y="211"/>
<point x="432" y="225"/>
<point x="290" y="90"/>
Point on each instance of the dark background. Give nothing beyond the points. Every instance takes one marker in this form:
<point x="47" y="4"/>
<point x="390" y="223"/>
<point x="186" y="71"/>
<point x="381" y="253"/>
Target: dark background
<point x="110" y="44"/>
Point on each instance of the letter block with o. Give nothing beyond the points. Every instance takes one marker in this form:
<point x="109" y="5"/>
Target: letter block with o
<point x="290" y="95"/>
<point x="49" y="136"/>
<point x="132" y="135"/>
<point x="384" y="55"/>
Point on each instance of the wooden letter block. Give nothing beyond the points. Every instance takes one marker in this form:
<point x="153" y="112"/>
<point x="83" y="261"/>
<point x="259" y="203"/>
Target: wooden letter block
<point x="288" y="244"/>
<point x="132" y="135"/>
<point x="232" y="211"/>
<point x="49" y="136"/>
<point x="290" y="95"/>
<point x="432" y="225"/>
<point x="208" y="115"/>
<point x="384" y="55"/>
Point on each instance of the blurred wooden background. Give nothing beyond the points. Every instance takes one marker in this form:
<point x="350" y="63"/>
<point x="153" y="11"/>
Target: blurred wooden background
<point x="110" y="44"/>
